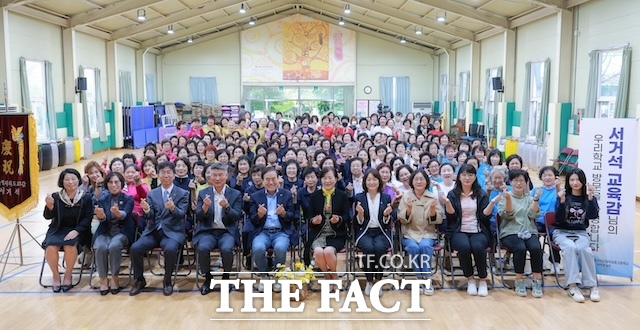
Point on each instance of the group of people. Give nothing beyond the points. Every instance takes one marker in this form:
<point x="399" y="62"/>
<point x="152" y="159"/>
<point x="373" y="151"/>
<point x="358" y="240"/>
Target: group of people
<point x="263" y="187"/>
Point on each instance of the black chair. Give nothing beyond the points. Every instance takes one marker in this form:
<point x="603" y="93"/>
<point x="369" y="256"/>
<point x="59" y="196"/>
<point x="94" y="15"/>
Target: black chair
<point x="78" y="273"/>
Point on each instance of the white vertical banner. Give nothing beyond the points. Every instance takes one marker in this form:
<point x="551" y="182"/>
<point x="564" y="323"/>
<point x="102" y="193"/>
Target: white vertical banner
<point x="608" y="156"/>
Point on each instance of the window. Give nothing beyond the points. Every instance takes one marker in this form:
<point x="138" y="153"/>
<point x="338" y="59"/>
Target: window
<point x="204" y="90"/>
<point x="609" y="70"/>
<point x="294" y="100"/>
<point x="90" y="94"/>
<point x="535" y="97"/>
<point x="444" y="88"/>
<point x="464" y="94"/>
<point x="38" y="97"/>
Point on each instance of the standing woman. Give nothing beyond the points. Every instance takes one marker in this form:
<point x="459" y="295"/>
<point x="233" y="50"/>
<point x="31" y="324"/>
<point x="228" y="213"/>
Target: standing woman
<point x="116" y="230"/>
<point x="70" y="212"/>
<point x="327" y="220"/>
<point x="575" y="207"/>
<point x="518" y="211"/>
<point x="468" y="228"/>
<point x="373" y="226"/>
<point x="419" y="212"/>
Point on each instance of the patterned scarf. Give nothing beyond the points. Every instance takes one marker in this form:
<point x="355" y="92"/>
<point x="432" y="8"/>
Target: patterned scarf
<point x="67" y="200"/>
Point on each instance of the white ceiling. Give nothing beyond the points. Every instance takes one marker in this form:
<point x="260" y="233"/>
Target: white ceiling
<point x="466" y="20"/>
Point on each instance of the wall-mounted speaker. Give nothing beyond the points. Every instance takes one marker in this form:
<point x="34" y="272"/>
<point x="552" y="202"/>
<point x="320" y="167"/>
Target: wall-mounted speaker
<point x="497" y="84"/>
<point x="81" y="84"/>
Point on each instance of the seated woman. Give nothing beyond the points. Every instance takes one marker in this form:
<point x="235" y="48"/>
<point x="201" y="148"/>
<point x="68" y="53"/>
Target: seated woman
<point x="372" y="226"/>
<point x="574" y="208"/>
<point x="70" y="212"/>
<point x="327" y="220"/>
<point x="468" y="227"/>
<point x="116" y="230"/>
<point x="518" y="211"/>
<point x="134" y="187"/>
<point x="419" y="212"/>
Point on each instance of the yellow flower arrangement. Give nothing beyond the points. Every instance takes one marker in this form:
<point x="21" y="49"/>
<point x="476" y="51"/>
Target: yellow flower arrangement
<point x="299" y="272"/>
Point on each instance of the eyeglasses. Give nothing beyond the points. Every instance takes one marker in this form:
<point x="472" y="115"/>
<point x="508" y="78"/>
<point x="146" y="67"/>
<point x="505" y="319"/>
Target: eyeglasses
<point x="519" y="181"/>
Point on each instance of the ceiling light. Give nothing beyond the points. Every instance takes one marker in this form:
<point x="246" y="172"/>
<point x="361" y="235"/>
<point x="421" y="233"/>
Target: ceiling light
<point x="190" y="39"/>
<point x="341" y="21"/>
<point x="403" y="40"/>
<point x="252" y="21"/>
<point x="242" y="10"/>
<point x="142" y="15"/>
<point x="347" y="9"/>
<point x="170" y="29"/>
<point x="441" y="16"/>
<point x="418" y="31"/>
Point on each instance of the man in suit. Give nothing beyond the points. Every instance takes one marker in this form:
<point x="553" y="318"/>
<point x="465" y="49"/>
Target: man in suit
<point x="218" y="210"/>
<point x="164" y="208"/>
<point x="272" y="215"/>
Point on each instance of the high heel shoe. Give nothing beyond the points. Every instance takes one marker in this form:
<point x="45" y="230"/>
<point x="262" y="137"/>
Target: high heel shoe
<point x="66" y="287"/>
<point x="56" y="288"/>
<point x="115" y="291"/>
<point x="104" y="292"/>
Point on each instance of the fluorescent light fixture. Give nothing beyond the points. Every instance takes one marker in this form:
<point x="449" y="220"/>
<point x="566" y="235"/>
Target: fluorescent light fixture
<point x="170" y="29"/>
<point x="242" y="10"/>
<point x="347" y="9"/>
<point x="418" y="31"/>
<point x="441" y="16"/>
<point x="403" y="40"/>
<point x="341" y="21"/>
<point x="190" y="39"/>
<point x="142" y="15"/>
<point x="252" y="21"/>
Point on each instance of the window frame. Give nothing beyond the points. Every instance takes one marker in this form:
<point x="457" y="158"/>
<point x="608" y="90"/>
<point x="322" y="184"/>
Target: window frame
<point x="605" y="104"/>
<point x="38" y="100"/>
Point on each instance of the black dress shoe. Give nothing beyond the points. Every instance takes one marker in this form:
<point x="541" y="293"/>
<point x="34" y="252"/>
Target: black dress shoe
<point x="66" y="287"/>
<point x="104" y="292"/>
<point x="167" y="290"/>
<point x="138" y="286"/>
<point x="205" y="288"/>
<point x="115" y="291"/>
<point x="56" y="288"/>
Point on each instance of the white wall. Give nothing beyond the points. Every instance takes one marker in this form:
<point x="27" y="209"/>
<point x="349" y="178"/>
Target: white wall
<point x="126" y="57"/>
<point x="491" y="56"/>
<point x="376" y="57"/>
<point x="35" y="39"/>
<point x="151" y="67"/>
<point x="219" y="58"/>
<point x="91" y="52"/>
<point x="463" y="59"/>
<point x="535" y="41"/>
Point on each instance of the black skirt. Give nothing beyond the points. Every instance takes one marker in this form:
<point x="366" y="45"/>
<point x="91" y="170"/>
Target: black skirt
<point x="57" y="238"/>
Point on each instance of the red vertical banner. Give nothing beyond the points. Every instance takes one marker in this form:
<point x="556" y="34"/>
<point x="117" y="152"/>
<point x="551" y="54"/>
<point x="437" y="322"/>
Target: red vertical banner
<point x="18" y="165"/>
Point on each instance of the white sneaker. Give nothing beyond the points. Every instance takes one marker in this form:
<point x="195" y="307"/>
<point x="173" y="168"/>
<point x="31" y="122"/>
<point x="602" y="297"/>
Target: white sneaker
<point x="277" y="287"/>
<point x="427" y="290"/>
<point x="367" y="289"/>
<point x="575" y="293"/>
<point x="472" y="290"/>
<point x="594" y="295"/>
<point x="261" y="287"/>
<point x="521" y="289"/>
<point x="483" y="291"/>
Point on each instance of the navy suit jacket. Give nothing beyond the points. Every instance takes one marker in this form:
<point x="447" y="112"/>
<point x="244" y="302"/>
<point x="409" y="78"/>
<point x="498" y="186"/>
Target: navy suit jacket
<point x="230" y="216"/>
<point x="361" y="229"/>
<point x="286" y="222"/>
<point x="127" y="226"/>
<point x="172" y="222"/>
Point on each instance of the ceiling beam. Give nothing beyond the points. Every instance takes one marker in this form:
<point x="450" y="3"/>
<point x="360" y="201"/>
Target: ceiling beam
<point x="114" y="9"/>
<point x="38" y="14"/>
<point x="226" y="32"/>
<point x="534" y="16"/>
<point x="362" y="30"/>
<point x="173" y="19"/>
<point x="203" y="27"/>
<point x="573" y="3"/>
<point x="353" y="17"/>
<point x="558" y="4"/>
<point x="468" y="12"/>
<point x="422" y="22"/>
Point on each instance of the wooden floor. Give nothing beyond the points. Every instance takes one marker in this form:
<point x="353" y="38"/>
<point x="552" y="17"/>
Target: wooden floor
<point x="23" y="303"/>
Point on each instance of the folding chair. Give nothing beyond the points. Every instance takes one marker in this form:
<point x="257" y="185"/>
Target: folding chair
<point x="438" y="254"/>
<point x="549" y="221"/>
<point x="78" y="273"/>
<point x="237" y="253"/>
<point x="354" y="265"/>
<point x="488" y="252"/>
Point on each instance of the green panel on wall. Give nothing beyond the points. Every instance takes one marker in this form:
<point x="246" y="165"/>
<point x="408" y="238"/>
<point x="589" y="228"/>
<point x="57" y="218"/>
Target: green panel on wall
<point x="67" y="110"/>
<point x="436" y="107"/>
<point x="110" y="143"/>
<point x="454" y="110"/>
<point x="517" y="118"/>
<point x="61" y="120"/>
<point x="477" y="115"/>
<point x="565" y="116"/>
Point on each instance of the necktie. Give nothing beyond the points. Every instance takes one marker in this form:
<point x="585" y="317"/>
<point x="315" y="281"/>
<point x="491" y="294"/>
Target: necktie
<point x="165" y="195"/>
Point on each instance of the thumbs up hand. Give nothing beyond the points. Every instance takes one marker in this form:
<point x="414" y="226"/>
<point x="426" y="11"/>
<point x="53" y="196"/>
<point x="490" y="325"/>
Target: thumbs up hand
<point x="49" y="202"/>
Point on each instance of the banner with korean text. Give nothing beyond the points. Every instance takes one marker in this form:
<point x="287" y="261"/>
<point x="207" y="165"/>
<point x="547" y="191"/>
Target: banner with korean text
<point x="608" y="156"/>
<point x="19" y="161"/>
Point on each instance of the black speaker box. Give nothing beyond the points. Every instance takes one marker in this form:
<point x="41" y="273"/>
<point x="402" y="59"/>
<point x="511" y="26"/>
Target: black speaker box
<point x="81" y="84"/>
<point x="497" y="84"/>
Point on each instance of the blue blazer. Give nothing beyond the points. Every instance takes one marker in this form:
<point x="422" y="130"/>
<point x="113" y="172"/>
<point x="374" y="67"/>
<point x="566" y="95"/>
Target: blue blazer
<point x="172" y="222"/>
<point x="127" y="226"/>
<point x="361" y="229"/>
<point x="286" y="221"/>
<point x="230" y="216"/>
